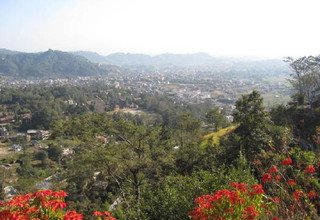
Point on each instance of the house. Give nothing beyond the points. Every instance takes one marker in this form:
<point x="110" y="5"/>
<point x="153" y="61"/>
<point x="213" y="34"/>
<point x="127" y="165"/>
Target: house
<point x="3" y="132"/>
<point x="19" y="137"/>
<point x="6" y="166"/>
<point x="70" y="102"/>
<point x="16" y="147"/>
<point x="38" y="134"/>
<point x="42" y="134"/>
<point x="67" y="152"/>
<point x="9" y="192"/>
<point x="7" y="119"/>
<point x="27" y="116"/>
<point x="229" y="118"/>
<point x="32" y="133"/>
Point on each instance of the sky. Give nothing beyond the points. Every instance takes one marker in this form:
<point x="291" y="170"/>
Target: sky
<point x="258" y="28"/>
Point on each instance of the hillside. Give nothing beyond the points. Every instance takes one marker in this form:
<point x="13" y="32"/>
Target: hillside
<point x="48" y="64"/>
<point x="92" y="56"/>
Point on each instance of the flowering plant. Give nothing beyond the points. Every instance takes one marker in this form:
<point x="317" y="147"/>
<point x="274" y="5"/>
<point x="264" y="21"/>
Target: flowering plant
<point x="239" y="202"/>
<point x="294" y="183"/>
<point x="289" y="190"/>
<point x="44" y="204"/>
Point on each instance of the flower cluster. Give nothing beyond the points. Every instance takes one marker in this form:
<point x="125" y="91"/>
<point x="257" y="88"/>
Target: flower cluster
<point x="44" y="204"/>
<point x="290" y="190"/>
<point x="294" y="183"/>
<point x="239" y="202"/>
<point x="103" y="215"/>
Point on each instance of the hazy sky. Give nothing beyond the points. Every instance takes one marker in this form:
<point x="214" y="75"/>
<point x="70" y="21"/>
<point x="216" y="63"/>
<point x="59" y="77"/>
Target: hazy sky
<point x="268" y="28"/>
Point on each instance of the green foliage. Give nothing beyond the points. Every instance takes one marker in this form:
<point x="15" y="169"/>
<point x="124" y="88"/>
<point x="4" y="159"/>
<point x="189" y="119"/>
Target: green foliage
<point x="55" y="152"/>
<point x="216" y="119"/>
<point x="49" y="63"/>
<point x="253" y="124"/>
<point x="280" y="115"/>
<point x="173" y="199"/>
<point x="43" y="157"/>
<point x="149" y="166"/>
<point x="26" y="168"/>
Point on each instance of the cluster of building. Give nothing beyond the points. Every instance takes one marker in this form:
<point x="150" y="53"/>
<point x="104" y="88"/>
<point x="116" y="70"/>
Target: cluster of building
<point x="183" y="85"/>
<point x="31" y="137"/>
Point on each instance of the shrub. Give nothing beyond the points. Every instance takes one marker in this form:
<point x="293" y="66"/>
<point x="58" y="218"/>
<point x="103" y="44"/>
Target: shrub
<point x="44" y="204"/>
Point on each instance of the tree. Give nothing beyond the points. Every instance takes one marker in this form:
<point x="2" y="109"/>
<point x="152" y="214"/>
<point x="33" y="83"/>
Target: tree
<point x="42" y="156"/>
<point x="305" y="77"/>
<point x="26" y="168"/>
<point x="216" y="119"/>
<point x="188" y="127"/>
<point x="55" y="152"/>
<point x="253" y="124"/>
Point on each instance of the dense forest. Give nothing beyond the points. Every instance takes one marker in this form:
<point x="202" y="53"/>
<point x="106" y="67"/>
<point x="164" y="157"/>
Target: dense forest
<point x="164" y="160"/>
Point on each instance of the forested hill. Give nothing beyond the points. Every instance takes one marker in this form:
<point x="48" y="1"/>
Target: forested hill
<point x="51" y="63"/>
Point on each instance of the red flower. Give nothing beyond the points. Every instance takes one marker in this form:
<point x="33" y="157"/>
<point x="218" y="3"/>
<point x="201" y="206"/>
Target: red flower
<point x="310" y="169"/>
<point x="43" y="193"/>
<point x="107" y="213"/>
<point x="297" y="194"/>
<point x="287" y="161"/>
<point x="60" y="194"/>
<point x="47" y="204"/>
<point x="278" y="178"/>
<point x="73" y="215"/>
<point x="242" y="187"/>
<point x="291" y="182"/>
<point x="250" y="213"/>
<point x="312" y="194"/>
<point x="108" y="216"/>
<point x="276" y="200"/>
<point x="266" y="177"/>
<point x="257" y="189"/>
<point x="55" y="204"/>
<point x="97" y="213"/>
<point x="273" y="169"/>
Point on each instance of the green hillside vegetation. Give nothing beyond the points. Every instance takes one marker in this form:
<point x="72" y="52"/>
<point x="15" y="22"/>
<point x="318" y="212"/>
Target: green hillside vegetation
<point x="51" y="63"/>
<point x="143" y="166"/>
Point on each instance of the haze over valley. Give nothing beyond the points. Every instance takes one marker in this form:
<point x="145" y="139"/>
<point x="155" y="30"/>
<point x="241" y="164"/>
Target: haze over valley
<point x="190" y="78"/>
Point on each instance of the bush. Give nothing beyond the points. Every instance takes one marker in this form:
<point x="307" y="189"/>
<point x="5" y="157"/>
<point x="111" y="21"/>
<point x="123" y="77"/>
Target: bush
<point x="44" y="204"/>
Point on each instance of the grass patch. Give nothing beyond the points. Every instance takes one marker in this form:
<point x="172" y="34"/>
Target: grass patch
<point x="215" y="136"/>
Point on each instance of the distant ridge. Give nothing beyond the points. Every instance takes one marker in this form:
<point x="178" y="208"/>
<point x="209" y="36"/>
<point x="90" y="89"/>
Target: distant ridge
<point x="226" y="65"/>
<point x="92" y="56"/>
<point x="4" y="51"/>
<point x="51" y="63"/>
<point x="135" y="59"/>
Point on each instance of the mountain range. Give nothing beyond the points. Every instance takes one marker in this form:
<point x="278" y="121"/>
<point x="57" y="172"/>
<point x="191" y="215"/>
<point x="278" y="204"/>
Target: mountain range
<point x="53" y="63"/>
<point x="227" y="65"/>
<point x="130" y="59"/>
